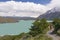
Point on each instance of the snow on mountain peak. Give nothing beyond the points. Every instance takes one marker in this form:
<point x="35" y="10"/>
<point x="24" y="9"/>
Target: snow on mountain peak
<point x="55" y="9"/>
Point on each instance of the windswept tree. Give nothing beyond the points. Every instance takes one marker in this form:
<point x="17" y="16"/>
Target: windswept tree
<point x="39" y="27"/>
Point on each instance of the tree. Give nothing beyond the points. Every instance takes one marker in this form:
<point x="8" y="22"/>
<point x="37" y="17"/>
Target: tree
<point x="56" y="23"/>
<point x="39" y="27"/>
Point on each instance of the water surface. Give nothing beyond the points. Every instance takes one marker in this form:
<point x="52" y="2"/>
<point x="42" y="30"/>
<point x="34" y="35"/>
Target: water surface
<point x="15" y="28"/>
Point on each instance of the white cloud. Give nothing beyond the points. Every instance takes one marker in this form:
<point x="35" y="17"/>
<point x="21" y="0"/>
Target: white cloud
<point x="12" y="8"/>
<point x="54" y="3"/>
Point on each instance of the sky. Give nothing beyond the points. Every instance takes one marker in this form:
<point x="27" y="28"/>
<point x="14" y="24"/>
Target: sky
<point x="26" y="8"/>
<point x="35" y="1"/>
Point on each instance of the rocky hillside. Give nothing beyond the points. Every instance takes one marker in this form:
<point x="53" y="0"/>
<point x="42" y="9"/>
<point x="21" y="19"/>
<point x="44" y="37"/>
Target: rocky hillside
<point x="51" y="14"/>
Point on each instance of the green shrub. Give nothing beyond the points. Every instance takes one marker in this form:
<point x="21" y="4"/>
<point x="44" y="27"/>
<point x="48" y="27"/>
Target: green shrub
<point x="42" y="37"/>
<point x="39" y="27"/>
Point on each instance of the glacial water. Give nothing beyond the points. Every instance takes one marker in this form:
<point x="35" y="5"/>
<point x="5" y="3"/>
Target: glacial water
<point x="15" y="28"/>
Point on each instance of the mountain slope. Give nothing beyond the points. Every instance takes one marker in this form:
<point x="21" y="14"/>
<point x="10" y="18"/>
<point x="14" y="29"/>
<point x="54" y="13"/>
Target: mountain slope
<point x="51" y="14"/>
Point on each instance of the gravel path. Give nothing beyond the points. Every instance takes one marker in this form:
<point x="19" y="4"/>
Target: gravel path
<point x="55" y="37"/>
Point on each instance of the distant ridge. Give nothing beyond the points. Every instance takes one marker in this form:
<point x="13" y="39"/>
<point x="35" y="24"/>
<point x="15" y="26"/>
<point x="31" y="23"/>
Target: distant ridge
<point x="19" y="18"/>
<point x="9" y="19"/>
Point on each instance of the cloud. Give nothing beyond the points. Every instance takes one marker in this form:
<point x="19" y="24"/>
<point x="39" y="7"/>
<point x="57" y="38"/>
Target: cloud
<point x="12" y="8"/>
<point x="54" y="3"/>
<point x="28" y="9"/>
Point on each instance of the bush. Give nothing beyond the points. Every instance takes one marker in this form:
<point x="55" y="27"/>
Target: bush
<point x="39" y="27"/>
<point x="56" y="23"/>
<point x="42" y="37"/>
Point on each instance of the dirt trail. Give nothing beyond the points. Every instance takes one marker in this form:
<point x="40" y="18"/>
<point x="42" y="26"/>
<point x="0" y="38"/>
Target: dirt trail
<point x="54" y="36"/>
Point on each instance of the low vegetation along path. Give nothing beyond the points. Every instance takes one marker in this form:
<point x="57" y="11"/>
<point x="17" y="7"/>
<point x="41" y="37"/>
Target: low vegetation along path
<point x="54" y="36"/>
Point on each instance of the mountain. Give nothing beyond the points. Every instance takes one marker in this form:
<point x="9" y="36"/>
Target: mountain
<point x="14" y="19"/>
<point x="21" y="18"/>
<point x="51" y="14"/>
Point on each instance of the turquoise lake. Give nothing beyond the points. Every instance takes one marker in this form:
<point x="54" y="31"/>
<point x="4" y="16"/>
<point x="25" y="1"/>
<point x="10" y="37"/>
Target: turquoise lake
<point x="15" y="28"/>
